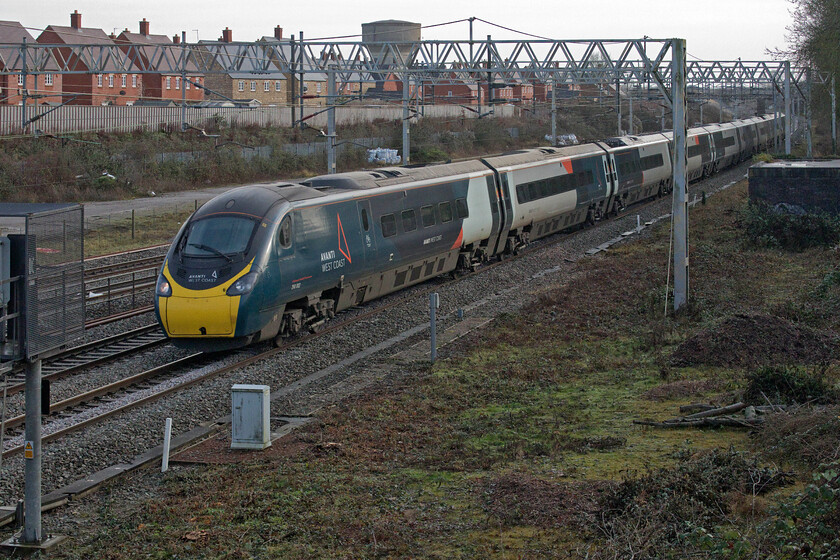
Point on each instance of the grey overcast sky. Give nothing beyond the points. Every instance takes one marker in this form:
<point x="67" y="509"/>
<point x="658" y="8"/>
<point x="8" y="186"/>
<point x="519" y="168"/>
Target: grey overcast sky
<point x="714" y="29"/>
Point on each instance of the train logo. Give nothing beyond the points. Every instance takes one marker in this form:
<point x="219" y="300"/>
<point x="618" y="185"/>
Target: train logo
<point x="342" y="241"/>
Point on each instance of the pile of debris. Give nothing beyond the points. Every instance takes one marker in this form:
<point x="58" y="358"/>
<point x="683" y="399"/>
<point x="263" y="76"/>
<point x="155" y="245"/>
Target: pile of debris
<point x="700" y="415"/>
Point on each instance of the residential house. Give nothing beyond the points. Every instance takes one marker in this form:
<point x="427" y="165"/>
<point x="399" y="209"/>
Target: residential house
<point x="115" y="85"/>
<point x="158" y="52"/>
<point x="39" y="88"/>
<point x="255" y="78"/>
<point x="314" y="79"/>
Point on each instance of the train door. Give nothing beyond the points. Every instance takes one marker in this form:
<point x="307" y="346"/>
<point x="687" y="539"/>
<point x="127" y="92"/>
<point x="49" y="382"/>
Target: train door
<point x="611" y="172"/>
<point x="366" y="229"/>
<point x="505" y="210"/>
<point x="496" y="212"/>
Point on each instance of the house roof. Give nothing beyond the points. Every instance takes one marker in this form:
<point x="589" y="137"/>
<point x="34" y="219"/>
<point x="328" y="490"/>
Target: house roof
<point x="145" y="52"/>
<point x="12" y="32"/>
<point x="313" y="72"/>
<point x="114" y="61"/>
<point x="251" y="64"/>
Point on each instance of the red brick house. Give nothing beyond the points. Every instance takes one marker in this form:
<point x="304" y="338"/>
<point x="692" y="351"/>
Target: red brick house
<point x="117" y="85"/>
<point x="149" y="52"/>
<point x="40" y="88"/>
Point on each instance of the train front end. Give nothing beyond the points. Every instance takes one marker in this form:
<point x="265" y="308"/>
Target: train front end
<point x="208" y="293"/>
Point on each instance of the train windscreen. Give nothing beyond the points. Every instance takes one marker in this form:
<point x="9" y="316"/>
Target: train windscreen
<point x="218" y="236"/>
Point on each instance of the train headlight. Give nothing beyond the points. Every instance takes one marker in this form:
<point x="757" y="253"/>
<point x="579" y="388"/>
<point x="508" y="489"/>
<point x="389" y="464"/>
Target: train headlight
<point x="244" y="285"/>
<point x="163" y="287"/>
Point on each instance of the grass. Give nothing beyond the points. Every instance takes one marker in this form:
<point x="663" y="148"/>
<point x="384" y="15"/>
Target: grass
<point x="116" y="234"/>
<point x="514" y="445"/>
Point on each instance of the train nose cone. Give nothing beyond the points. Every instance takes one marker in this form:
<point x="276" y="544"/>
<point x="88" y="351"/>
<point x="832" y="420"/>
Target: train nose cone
<point x="189" y="316"/>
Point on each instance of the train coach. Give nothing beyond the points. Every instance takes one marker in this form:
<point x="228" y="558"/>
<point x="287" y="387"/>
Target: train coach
<point x="266" y="261"/>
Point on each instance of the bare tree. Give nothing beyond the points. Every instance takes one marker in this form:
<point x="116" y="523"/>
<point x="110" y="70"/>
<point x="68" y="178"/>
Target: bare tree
<point x="814" y="35"/>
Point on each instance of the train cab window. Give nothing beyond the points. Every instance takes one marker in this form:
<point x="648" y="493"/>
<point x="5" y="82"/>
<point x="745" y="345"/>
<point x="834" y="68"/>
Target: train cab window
<point x="461" y="208"/>
<point x="284" y="233"/>
<point x="427" y="215"/>
<point x="220" y="236"/>
<point x="389" y="225"/>
<point x="365" y="222"/>
<point x="445" y="211"/>
<point x="409" y="220"/>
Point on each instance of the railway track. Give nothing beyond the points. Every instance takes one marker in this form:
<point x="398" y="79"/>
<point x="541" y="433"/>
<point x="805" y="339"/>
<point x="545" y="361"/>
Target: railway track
<point x="92" y="354"/>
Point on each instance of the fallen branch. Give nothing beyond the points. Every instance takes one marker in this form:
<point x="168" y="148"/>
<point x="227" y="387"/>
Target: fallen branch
<point x="719" y="411"/>
<point x="723" y="421"/>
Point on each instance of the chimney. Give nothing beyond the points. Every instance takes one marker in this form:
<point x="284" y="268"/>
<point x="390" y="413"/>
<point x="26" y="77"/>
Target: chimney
<point x="144" y="27"/>
<point x="176" y="39"/>
<point x="278" y="32"/>
<point x="227" y="35"/>
<point x="76" y="20"/>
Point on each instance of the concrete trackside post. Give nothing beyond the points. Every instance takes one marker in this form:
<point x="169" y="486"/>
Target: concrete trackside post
<point x="680" y="206"/>
<point x="32" y="455"/>
<point x="788" y="109"/>
<point x="406" y="127"/>
<point x="434" y="303"/>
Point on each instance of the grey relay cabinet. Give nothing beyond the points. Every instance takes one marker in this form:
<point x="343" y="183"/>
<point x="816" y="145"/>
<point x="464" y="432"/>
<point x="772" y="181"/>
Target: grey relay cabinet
<point x="250" y="422"/>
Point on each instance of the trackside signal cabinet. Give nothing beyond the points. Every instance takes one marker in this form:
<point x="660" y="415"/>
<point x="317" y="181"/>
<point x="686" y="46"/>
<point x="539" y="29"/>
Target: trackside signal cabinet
<point x="250" y="422"/>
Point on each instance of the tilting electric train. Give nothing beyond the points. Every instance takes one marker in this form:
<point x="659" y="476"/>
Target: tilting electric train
<point x="266" y="261"/>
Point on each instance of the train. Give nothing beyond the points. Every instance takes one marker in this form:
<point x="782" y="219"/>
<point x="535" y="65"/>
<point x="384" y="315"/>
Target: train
<point x="267" y="261"/>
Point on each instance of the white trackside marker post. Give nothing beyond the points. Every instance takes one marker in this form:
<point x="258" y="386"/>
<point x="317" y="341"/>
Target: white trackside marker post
<point x="638" y="223"/>
<point x="167" y="437"/>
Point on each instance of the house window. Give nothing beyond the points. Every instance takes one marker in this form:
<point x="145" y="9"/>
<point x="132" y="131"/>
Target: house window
<point x="187" y="84"/>
<point x="99" y="80"/>
<point x="449" y="93"/>
<point x="110" y="80"/>
<point x="266" y="86"/>
<point x="241" y="85"/>
<point x="177" y="83"/>
<point x="134" y="80"/>
<point x="317" y="88"/>
<point x="253" y="85"/>
<point x="277" y="85"/>
<point x="20" y="79"/>
<point x="169" y="82"/>
<point x="124" y="81"/>
<point x="48" y="80"/>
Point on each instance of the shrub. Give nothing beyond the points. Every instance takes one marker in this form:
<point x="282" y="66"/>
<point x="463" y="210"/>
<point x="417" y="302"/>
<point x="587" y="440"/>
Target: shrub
<point x="768" y="228"/>
<point x="787" y="385"/>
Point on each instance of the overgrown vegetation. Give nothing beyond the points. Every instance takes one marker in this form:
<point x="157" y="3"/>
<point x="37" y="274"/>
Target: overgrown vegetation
<point x="520" y="441"/>
<point x="769" y="227"/>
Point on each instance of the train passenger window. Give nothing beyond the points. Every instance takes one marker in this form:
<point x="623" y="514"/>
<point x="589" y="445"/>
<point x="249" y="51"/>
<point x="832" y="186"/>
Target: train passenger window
<point x="284" y="233"/>
<point x="427" y="215"/>
<point x="365" y="223"/>
<point x="389" y="225"/>
<point x="445" y="211"/>
<point x="461" y="208"/>
<point x="409" y="220"/>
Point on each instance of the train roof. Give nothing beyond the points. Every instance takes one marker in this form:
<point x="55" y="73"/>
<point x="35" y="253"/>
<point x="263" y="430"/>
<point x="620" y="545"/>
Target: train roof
<point x="256" y="200"/>
<point x="389" y="176"/>
<point x="519" y="157"/>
